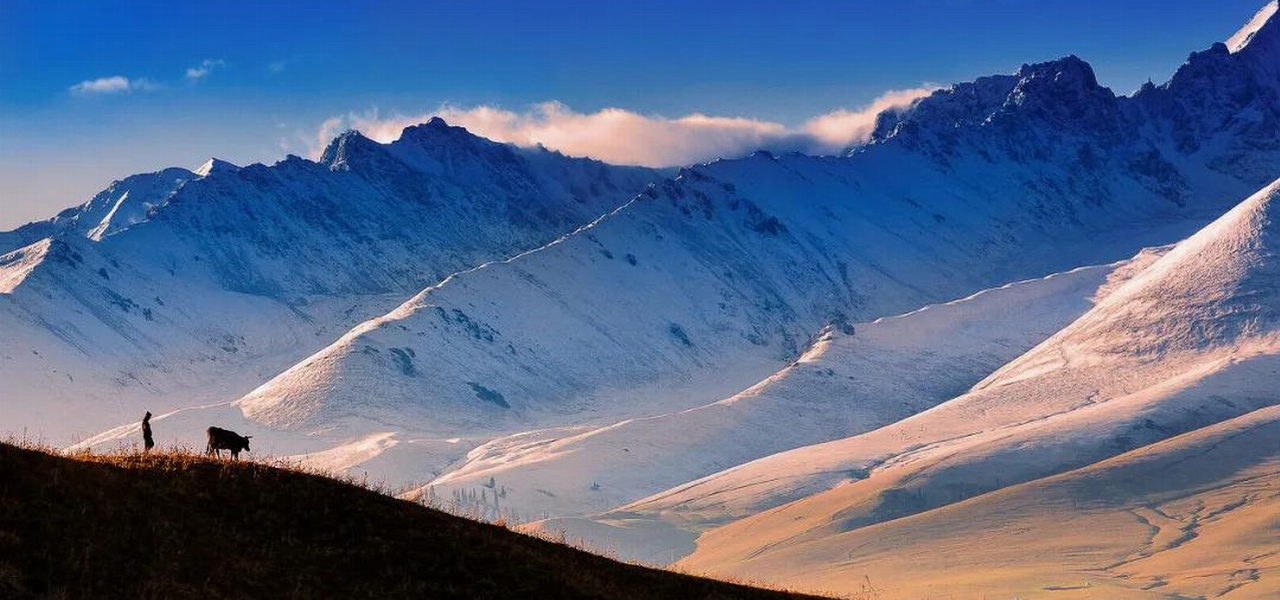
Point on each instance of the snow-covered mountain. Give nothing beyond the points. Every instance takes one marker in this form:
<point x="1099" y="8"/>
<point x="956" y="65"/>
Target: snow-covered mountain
<point x="884" y="371"/>
<point x="697" y="289"/>
<point x="1219" y="112"/>
<point x="1188" y="343"/>
<point x="122" y="204"/>
<point x="1062" y="130"/>
<point x="570" y="342"/>
<point x="711" y="282"/>
<point x="1188" y="517"/>
<point x="177" y="287"/>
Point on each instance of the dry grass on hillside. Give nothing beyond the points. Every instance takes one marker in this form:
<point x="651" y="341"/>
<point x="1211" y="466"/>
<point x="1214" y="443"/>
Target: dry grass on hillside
<point x="177" y="525"/>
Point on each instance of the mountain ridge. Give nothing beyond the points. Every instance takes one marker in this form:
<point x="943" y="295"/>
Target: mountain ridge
<point x="153" y="309"/>
<point x="1146" y="365"/>
<point x="1020" y="115"/>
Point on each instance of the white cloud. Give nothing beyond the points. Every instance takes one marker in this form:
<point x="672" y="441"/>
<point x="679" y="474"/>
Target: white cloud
<point x="842" y="128"/>
<point x="204" y="68"/>
<point x="328" y="130"/>
<point x="104" y="85"/>
<point x="620" y="136"/>
<point x="113" y="85"/>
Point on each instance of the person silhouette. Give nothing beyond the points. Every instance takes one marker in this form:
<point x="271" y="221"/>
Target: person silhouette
<point x="147" y="442"/>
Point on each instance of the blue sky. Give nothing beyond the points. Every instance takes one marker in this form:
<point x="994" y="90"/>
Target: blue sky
<point x="252" y="81"/>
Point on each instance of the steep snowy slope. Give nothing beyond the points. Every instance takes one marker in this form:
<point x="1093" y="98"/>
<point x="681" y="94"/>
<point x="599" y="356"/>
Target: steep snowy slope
<point x="1220" y="112"/>
<point x="180" y="288"/>
<point x="1191" y="341"/>
<point x="712" y="281"/>
<point x="889" y="368"/>
<point x="1005" y="117"/>
<point x="371" y="218"/>
<point x="122" y="204"/>
<point x="128" y="201"/>
<point x="976" y="185"/>
<point x="1222" y="108"/>
<point x="1190" y="517"/>
<point x="1241" y="38"/>
<point x="850" y="380"/>
<point x="707" y="284"/>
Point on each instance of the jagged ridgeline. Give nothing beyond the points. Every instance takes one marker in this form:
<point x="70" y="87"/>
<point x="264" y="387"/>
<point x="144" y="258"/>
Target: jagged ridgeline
<point x="707" y="281"/>
<point x="179" y="282"/>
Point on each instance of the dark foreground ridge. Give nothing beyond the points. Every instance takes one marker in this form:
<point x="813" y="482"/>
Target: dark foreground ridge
<point x="178" y="526"/>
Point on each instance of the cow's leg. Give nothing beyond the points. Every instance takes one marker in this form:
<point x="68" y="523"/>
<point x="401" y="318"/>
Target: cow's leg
<point x="235" y="455"/>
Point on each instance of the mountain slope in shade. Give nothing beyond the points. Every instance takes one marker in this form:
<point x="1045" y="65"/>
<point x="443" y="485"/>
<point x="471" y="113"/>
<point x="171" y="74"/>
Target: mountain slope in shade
<point x="178" y="288"/>
<point x="1222" y="108"/>
<point x="713" y="280"/>
<point x="124" y="203"/>
<point x="851" y="379"/>
<point x="1190" y="342"/>
<point x="976" y="185"/>
<point x="1218" y="113"/>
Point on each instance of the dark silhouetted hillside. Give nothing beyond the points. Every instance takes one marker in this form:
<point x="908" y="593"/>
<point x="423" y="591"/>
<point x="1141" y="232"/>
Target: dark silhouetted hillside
<point x="177" y="526"/>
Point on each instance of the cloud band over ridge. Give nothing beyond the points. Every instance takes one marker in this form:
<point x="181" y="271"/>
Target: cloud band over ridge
<point x="619" y="136"/>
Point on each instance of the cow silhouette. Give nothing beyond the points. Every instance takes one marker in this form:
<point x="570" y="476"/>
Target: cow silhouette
<point x="222" y="439"/>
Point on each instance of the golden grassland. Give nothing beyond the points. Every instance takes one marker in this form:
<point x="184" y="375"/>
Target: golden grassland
<point x="174" y="524"/>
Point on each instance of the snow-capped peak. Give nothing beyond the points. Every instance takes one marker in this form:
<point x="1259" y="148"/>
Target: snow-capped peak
<point x="1069" y="70"/>
<point x="436" y="123"/>
<point x="1213" y="290"/>
<point x="215" y="165"/>
<point x="1032" y="112"/>
<point x="339" y="151"/>
<point x="1064" y="90"/>
<point x="1237" y="42"/>
<point x="437" y="132"/>
<point x="433" y="128"/>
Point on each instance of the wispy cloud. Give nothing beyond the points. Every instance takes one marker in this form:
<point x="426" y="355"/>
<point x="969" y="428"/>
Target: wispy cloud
<point x="842" y="128"/>
<point x="330" y="128"/>
<point x="205" y="67"/>
<point x="277" y="66"/>
<point x="117" y="84"/>
<point x="620" y="136"/>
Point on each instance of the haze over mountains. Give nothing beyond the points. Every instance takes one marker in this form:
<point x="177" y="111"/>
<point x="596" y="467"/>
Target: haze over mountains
<point x="979" y="312"/>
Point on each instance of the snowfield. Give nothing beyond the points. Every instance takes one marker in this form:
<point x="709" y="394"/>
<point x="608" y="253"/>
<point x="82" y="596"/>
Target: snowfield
<point x="1188" y="343"/>
<point x="1193" y="516"/>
